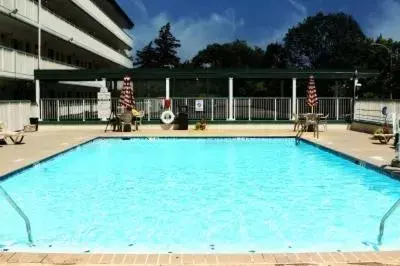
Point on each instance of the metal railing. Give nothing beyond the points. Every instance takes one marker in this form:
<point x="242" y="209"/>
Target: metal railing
<point x="213" y="108"/>
<point x="20" y="212"/>
<point x="384" y="218"/>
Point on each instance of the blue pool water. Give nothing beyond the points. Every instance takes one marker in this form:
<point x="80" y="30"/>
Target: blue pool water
<point x="199" y="195"/>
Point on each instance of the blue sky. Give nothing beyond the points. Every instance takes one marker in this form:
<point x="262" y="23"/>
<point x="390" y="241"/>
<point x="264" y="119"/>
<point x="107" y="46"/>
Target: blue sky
<point x="200" y="22"/>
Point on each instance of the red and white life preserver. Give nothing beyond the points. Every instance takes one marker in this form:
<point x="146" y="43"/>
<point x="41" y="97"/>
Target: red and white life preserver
<point x="167" y="117"/>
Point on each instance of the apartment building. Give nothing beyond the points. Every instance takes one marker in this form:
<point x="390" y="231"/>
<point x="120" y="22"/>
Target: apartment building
<point x="71" y="34"/>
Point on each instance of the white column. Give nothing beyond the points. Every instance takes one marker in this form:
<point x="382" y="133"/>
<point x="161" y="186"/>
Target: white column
<point x="294" y="96"/>
<point x="39" y="33"/>
<point x="166" y="88"/>
<point x="230" y="99"/>
<point x="355" y="88"/>
<point x="37" y="91"/>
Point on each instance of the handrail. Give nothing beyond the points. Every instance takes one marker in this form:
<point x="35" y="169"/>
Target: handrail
<point x="299" y="134"/>
<point x="20" y="212"/>
<point x="383" y="220"/>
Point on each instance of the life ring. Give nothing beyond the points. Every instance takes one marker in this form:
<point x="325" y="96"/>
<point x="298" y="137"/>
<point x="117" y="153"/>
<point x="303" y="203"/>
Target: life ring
<point x="167" y="117"/>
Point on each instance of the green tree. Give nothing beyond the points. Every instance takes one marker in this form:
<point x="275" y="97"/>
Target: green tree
<point x="147" y="57"/>
<point x="166" y="47"/>
<point x="237" y="54"/>
<point x="275" y="56"/>
<point x="327" y="41"/>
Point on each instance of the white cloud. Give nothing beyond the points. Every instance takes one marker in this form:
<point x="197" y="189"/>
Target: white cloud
<point x="292" y="19"/>
<point x="299" y="7"/>
<point x="386" y="21"/>
<point x="196" y="33"/>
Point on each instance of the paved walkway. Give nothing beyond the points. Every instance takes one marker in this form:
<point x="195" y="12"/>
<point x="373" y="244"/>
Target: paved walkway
<point x="53" y="139"/>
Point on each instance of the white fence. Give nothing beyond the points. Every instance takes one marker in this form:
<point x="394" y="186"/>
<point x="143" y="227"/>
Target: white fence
<point x="213" y="108"/>
<point x="15" y="114"/>
<point x="371" y="110"/>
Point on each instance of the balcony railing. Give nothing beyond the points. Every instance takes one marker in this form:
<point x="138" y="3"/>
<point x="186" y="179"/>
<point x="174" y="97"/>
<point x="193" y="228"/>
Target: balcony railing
<point x="14" y="63"/>
<point x="58" y="26"/>
<point x="96" y="13"/>
<point x="213" y="108"/>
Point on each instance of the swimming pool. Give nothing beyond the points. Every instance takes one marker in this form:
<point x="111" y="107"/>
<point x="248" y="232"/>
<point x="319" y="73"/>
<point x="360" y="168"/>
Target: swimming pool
<point x="199" y="195"/>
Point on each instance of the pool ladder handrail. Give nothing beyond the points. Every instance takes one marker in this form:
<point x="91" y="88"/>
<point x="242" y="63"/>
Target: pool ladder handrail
<point x="20" y="212"/>
<point x="384" y="218"/>
<point x="298" y="135"/>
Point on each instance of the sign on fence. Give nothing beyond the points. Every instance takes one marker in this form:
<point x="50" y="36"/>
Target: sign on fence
<point x="103" y="105"/>
<point x="199" y="105"/>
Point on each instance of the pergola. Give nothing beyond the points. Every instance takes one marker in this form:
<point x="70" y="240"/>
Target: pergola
<point x="101" y="75"/>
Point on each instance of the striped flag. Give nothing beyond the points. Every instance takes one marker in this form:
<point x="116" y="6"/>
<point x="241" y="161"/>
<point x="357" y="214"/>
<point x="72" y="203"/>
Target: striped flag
<point x="126" y="98"/>
<point x="312" y="99"/>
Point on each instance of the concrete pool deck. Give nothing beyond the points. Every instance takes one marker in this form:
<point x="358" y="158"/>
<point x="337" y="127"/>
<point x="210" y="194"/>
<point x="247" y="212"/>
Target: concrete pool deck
<point x="50" y="140"/>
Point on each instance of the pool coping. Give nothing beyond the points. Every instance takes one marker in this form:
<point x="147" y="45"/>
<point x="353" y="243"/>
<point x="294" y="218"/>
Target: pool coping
<point x="242" y="259"/>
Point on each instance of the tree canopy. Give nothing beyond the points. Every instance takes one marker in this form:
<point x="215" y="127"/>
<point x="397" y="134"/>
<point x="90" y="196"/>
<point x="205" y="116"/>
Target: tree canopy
<point x="325" y="41"/>
<point x="163" y="53"/>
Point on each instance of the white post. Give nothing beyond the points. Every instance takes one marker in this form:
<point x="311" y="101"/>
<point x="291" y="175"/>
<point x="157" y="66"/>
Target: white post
<point x="41" y="110"/>
<point x="58" y="111"/>
<point x="249" y="109"/>
<point x="275" y="111"/>
<point x="83" y="106"/>
<point x="230" y="100"/>
<point x="39" y="25"/>
<point x="148" y="110"/>
<point x="212" y="109"/>
<point x="294" y="96"/>
<point x="167" y="88"/>
<point x="37" y="93"/>
<point x="337" y="108"/>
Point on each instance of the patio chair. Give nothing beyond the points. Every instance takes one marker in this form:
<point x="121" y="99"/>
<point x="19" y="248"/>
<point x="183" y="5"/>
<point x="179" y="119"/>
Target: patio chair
<point x="323" y="121"/>
<point x="312" y="121"/>
<point x="16" y="137"/>
<point x="126" y="119"/>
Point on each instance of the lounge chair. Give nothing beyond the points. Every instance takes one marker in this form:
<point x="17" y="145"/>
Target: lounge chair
<point x="383" y="138"/>
<point x="16" y="137"/>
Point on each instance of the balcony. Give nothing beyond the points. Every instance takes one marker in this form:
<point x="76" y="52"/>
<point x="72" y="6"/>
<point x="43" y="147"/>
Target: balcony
<point x="20" y="65"/>
<point x="96" y="13"/>
<point x="26" y="10"/>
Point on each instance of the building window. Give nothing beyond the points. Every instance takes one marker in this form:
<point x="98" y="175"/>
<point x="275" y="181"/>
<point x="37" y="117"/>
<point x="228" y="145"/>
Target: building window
<point x="51" y="53"/>
<point x="62" y="57"/>
<point x="57" y="56"/>
<point x="69" y="59"/>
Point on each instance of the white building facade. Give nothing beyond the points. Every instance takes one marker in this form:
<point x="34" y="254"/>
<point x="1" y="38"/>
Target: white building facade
<point x="59" y="34"/>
